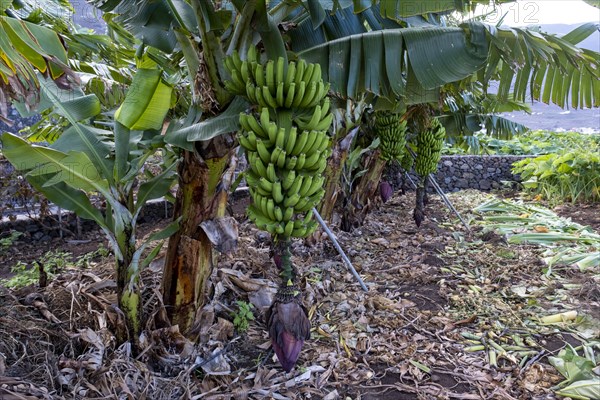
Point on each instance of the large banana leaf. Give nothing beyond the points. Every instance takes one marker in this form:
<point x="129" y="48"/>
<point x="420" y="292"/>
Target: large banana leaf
<point x="85" y="138"/>
<point x="379" y="61"/>
<point x="383" y="62"/>
<point x="73" y="168"/>
<point x="150" y="21"/>
<point x="545" y="67"/>
<point x="226" y="122"/>
<point x="68" y="198"/>
<point x="392" y="9"/>
<point x="147" y="101"/>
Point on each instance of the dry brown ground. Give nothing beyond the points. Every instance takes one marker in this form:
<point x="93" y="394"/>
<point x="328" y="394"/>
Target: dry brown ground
<point x="430" y="290"/>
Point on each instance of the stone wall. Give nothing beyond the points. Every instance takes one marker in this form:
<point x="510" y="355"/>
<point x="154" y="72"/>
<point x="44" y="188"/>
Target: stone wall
<point x="475" y="172"/>
<point x="466" y="172"/>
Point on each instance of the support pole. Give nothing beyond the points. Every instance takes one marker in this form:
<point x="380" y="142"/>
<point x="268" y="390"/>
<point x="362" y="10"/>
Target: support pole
<point x="439" y="191"/>
<point x="339" y="249"/>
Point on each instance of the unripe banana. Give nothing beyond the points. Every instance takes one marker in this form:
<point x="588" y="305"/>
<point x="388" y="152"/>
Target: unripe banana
<point x="256" y="127"/>
<point x="310" y="141"/>
<point x="299" y="95"/>
<point x="308" y="216"/>
<point x="271" y="173"/>
<point x="299" y="232"/>
<point x="319" y="136"/>
<point x="245" y="123"/>
<point x="291" y="201"/>
<point x="275" y="154"/>
<point x="305" y="185"/>
<point x="289" y="227"/>
<point x="278" y="213"/>
<point x="300" y="67"/>
<point x="316" y="184"/>
<point x="271" y="209"/>
<point x="259" y="75"/>
<point x="325" y="123"/>
<point x="281" y="159"/>
<point x="251" y="136"/>
<point x="321" y="165"/>
<point x="279" y="97"/>
<point x="302" y="204"/>
<point x="314" y="120"/>
<point x="309" y="94"/>
<point x="291" y="140"/>
<point x="272" y="132"/>
<point x="251" y="178"/>
<point x="244" y="71"/>
<point x="296" y="185"/>
<point x="308" y="72"/>
<point x="264" y="117"/>
<point x="279" y="75"/>
<point x="288" y="180"/>
<point x="280" y="138"/>
<point x="316" y="97"/>
<point x="300" y="143"/>
<point x="265" y="184"/>
<point x="289" y="97"/>
<point x="251" y="92"/>
<point x="264" y="154"/>
<point x="316" y="74"/>
<point x="301" y="161"/>
<point x="288" y="214"/>
<point x="256" y="164"/>
<point x="268" y="98"/>
<point x="290" y="162"/>
<point x="245" y="143"/>
<point x="290" y="77"/>
<point x="270" y="76"/>
<point x="312" y="161"/>
<point x="323" y="142"/>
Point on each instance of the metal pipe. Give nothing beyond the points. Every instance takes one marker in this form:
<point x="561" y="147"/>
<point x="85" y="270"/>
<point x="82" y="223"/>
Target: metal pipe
<point x="339" y="249"/>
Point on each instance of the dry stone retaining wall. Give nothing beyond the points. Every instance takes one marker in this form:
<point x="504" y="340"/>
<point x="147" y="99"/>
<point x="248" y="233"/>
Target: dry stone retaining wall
<point x="476" y="172"/>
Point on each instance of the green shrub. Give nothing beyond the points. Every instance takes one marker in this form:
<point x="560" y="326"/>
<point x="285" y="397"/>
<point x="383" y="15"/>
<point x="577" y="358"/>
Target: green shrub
<point x="566" y="176"/>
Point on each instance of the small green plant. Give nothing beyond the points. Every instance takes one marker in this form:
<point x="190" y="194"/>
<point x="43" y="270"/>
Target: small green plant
<point x="52" y="262"/>
<point x="24" y="276"/>
<point x="242" y="318"/>
<point x="8" y="241"/>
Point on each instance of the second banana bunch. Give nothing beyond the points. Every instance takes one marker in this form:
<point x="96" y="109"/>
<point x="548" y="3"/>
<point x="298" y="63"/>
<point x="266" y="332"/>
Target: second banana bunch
<point x="285" y="140"/>
<point x="391" y="130"/>
<point x="429" y="148"/>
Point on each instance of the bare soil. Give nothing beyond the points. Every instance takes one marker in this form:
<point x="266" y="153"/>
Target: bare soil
<point x="430" y="289"/>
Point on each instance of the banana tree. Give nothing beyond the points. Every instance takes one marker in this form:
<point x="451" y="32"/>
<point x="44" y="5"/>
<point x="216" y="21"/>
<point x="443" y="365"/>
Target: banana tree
<point x="382" y="48"/>
<point x="87" y="161"/>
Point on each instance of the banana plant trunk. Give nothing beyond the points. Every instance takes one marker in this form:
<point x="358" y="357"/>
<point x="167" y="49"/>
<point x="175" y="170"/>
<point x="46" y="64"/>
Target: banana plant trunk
<point x="128" y="289"/>
<point x="365" y="191"/>
<point x="189" y="259"/>
<point x="333" y="173"/>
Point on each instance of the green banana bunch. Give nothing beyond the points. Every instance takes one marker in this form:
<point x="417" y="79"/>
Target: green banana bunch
<point x="391" y="131"/>
<point x="285" y="141"/>
<point x="429" y="147"/>
<point x="275" y="84"/>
